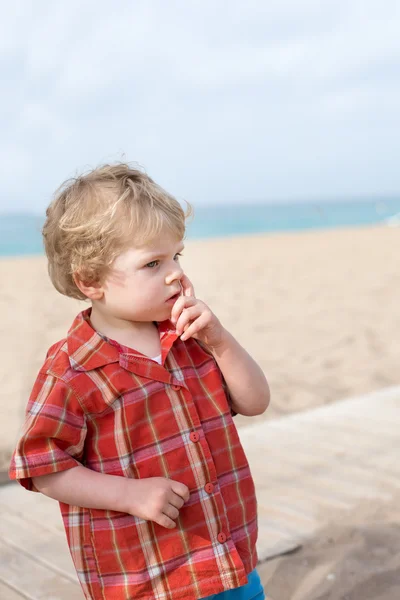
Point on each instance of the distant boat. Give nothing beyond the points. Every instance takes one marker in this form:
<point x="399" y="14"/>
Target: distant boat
<point x="393" y="221"/>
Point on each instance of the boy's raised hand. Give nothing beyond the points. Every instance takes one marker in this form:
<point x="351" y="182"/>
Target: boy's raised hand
<point x="156" y="499"/>
<point x="193" y="318"/>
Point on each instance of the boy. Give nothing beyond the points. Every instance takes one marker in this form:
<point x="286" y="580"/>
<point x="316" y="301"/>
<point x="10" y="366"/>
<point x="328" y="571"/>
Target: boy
<point x="129" y="424"/>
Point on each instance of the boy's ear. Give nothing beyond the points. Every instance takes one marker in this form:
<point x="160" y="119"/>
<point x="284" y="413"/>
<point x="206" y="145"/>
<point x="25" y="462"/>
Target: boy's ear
<point x="92" y="290"/>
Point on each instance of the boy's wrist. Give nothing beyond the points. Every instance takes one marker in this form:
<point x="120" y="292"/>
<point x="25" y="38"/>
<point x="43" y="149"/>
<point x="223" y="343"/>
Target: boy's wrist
<point x="222" y="343"/>
<point x="125" y="495"/>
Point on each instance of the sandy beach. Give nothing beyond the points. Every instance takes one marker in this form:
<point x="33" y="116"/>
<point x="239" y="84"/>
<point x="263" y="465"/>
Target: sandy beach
<point x="319" y="311"/>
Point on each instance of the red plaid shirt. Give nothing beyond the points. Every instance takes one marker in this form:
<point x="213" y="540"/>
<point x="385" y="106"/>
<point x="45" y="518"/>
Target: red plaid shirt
<point x="117" y="411"/>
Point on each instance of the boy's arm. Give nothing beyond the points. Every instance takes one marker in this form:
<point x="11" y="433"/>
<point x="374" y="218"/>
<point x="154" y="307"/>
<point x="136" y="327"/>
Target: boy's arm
<point x="49" y="453"/>
<point x="83" y="487"/>
<point x="154" y="499"/>
<point x="247" y="384"/>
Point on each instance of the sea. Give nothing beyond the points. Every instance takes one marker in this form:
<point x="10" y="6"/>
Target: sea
<point x="20" y="233"/>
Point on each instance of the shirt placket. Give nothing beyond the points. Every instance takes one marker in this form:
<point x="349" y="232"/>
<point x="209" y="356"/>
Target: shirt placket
<point x="202" y="462"/>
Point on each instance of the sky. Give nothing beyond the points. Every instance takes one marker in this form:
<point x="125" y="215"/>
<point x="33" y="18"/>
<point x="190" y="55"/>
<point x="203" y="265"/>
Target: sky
<point x="219" y="101"/>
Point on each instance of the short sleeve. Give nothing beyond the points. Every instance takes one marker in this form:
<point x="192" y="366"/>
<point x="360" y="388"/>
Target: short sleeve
<point x="53" y="434"/>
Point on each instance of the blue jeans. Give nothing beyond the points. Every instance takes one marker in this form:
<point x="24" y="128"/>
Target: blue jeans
<point x="253" y="590"/>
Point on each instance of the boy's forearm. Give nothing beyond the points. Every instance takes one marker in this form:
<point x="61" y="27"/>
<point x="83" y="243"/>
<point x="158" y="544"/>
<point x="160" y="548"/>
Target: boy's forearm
<point x="83" y="487"/>
<point x="247" y="384"/>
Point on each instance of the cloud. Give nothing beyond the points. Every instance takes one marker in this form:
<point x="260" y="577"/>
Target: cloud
<point x="217" y="100"/>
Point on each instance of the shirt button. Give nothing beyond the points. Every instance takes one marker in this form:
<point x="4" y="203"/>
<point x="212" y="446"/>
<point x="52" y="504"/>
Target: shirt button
<point x="176" y="387"/>
<point x="221" y="538"/>
<point x="194" y="436"/>
<point x="209" y="488"/>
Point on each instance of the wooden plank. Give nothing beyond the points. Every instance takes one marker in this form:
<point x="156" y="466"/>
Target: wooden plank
<point x="311" y="507"/>
<point x="341" y="480"/>
<point x="48" y="547"/>
<point x="7" y="593"/>
<point x="326" y="500"/>
<point x="272" y="543"/>
<point x="293" y="524"/>
<point x="33" y="580"/>
<point x="372" y="475"/>
<point x="371" y="470"/>
<point x="308" y="435"/>
<point x="14" y="498"/>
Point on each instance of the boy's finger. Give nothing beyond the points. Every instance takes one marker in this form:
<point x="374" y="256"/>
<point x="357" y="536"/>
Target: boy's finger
<point x="165" y="521"/>
<point x="181" y="489"/>
<point x="187" y="286"/>
<point x="181" y="303"/>
<point x="176" y="501"/>
<point x="188" y="314"/>
<point x="194" y="327"/>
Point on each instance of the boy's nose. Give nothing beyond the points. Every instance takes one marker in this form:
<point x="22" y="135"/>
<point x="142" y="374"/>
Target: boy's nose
<point x="176" y="274"/>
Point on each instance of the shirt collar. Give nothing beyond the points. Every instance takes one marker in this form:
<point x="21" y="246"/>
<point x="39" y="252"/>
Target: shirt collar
<point x="88" y="350"/>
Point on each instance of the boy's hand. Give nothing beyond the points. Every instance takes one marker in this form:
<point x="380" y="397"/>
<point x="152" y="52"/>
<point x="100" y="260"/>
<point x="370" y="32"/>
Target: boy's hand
<point x="195" y="318"/>
<point x="156" y="499"/>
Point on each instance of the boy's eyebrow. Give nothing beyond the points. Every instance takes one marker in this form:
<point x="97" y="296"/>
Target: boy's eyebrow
<point x="159" y="254"/>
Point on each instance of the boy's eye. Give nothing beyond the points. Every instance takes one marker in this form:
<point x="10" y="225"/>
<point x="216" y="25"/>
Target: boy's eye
<point x="154" y="263"/>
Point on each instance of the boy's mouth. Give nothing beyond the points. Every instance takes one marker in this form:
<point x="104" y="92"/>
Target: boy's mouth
<point x="173" y="298"/>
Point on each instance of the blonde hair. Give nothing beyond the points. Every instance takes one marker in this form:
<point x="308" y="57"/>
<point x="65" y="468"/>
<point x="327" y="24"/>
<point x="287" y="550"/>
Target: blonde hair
<point x="96" y="216"/>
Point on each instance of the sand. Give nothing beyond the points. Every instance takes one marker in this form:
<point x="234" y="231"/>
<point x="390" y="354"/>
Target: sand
<point x="356" y="560"/>
<point x="319" y="311"/>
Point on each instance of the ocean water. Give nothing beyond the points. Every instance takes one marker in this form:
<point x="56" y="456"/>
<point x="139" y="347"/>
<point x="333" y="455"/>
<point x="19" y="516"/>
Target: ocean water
<point x="20" y="233"/>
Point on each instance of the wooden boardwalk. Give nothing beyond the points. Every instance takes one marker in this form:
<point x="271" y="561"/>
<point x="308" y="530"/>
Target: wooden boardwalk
<point x="309" y="468"/>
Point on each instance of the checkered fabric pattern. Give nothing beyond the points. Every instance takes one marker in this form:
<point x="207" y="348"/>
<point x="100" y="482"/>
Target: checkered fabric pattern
<point x="118" y="412"/>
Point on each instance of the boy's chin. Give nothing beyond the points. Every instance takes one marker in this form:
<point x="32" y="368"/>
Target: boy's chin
<point x="163" y="315"/>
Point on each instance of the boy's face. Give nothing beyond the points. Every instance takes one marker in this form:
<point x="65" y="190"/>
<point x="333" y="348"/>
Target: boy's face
<point x="143" y="280"/>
